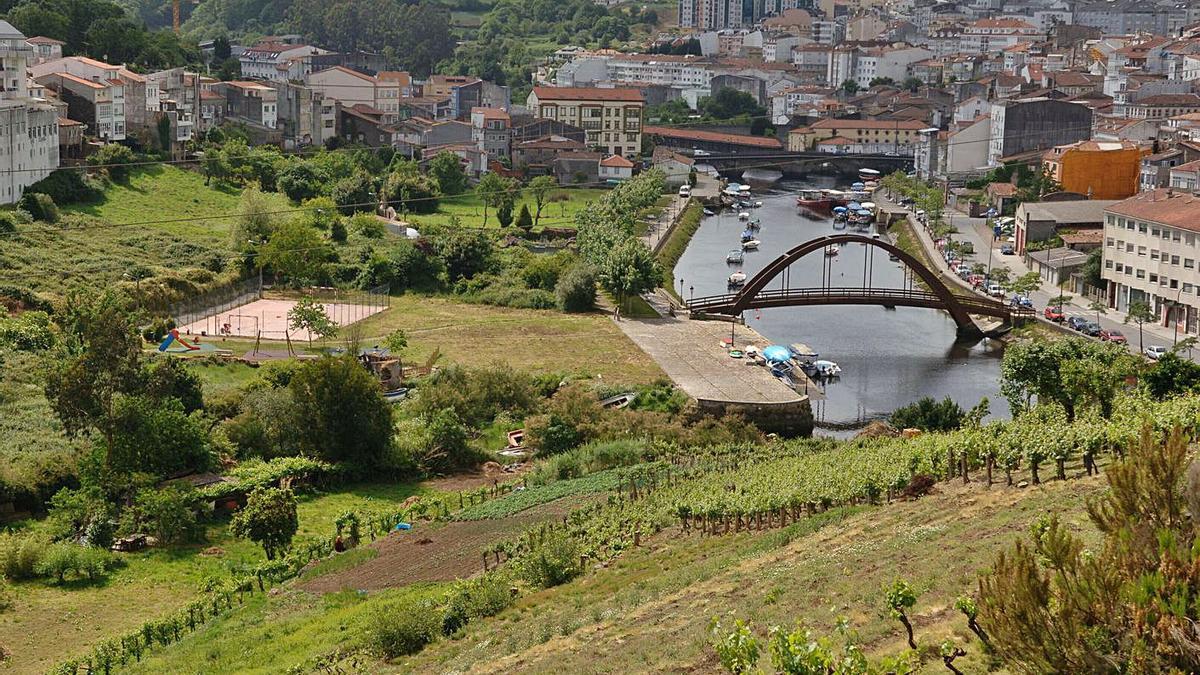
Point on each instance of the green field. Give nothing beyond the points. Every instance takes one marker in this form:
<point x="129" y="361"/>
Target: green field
<point x="560" y="210"/>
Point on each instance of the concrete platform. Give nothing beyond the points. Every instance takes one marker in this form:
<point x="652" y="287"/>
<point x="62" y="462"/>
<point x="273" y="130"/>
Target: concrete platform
<point x="692" y="355"/>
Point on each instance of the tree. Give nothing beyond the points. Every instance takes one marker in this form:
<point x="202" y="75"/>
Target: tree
<point x="929" y="415"/>
<point x="269" y="519"/>
<point x="629" y="270"/>
<point x="899" y="598"/>
<point x="1092" y="268"/>
<point x="115" y="159"/>
<point x="504" y="213"/>
<point x="912" y="84"/>
<point x="446" y="168"/>
<point x="355" y="193"/>
<point x="169" y="378"/>
<point x="301" y="181"/>
<point x="1098" y="375"/>
<point x="1171" y="375"/>
<point x="465" y="252"/>
<point x="881" y="82"/>
<point x="540" y="188"/>
<point x="850" y="87"/>
<point x="221" y="49"/>
<point x="576" y="289"/>
<point x="308" y="314"/>
<point x="396" y="342"/>
<point x="346" y="418"/>
<point x="99" y="361"/>
<point x="255" y="221"/>
<point x="156" y="437"/>
<point x="490" y="190"/>
<point x="1139" y="312"/>
<point x="410" y="192"/>
<point x="1034" y="369"/>
<point x="1026" y="283"/>
<point x="295" y="251"/>
<point x="1099" y="308"/>
<point x="524" y="220"/>
<point x="1055" y="603"/>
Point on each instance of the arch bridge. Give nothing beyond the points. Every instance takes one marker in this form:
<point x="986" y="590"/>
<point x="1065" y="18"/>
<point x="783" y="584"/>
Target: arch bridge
<point x="934" y="295"/>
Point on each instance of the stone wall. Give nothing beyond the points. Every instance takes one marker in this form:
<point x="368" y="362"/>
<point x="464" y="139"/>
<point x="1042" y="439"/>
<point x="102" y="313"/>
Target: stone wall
<point x="789" y="419"/>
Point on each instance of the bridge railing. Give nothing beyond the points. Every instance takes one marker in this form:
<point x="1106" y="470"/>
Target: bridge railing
<point x="816" y="292"/>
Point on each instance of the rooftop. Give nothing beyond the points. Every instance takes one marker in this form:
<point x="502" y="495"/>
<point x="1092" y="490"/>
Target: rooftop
<point x="714" y="137"/>
<point x="1059" y="257"/>
<point x="898" y="125"/>
<point x="1076" y="212"/>
<point x="1163" y="205"/>
<point x="616" y="162"/>
<point x="587" y="94"/>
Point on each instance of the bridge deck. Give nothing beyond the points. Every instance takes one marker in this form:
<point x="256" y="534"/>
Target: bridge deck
<point x="724" y="304"/>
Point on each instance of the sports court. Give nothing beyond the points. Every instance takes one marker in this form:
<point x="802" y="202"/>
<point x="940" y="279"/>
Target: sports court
<point x="271" y="317"/>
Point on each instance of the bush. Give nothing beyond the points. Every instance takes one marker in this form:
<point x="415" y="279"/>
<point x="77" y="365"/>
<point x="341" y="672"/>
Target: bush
<point x="115" y="159"/>
<point x="477" y="395"/>
<point x="355" y="193"/>
<point x="337" y="231"/>
<point x="367" y="226"/>
<point x="166" y="514"/>
<point x="29" y="331"/>
<point x="929" y="415"/>
<point x="67" y="186"/>
<point x="20" y="555"/>
<point x="8" y="222"/>
<point x="402" y="628"/>
<point x="499" y="295"/>
<point x="576" y="289"/>
<point x="555" y="561"/>
<point x="557" y="435"/>
<point x="477" y="598"/>
<point x="40" y="206"/>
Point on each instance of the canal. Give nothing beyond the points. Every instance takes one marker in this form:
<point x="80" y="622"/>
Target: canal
<point x="889" y="357"/>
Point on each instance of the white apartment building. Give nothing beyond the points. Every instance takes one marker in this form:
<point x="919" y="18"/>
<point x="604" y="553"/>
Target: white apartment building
<point x="99" y="105"/>
<point x="1151" y="249"/>
<point x="612" y="118"/>
<point x="138" y="103"/>
<point x="45" y="49"/>
<point x="865" y="65"/>
<point x="988" y="36"/>
<point x="28" y="127"/>
<point x="351" y="87"/>
<point x="278" y="62"/>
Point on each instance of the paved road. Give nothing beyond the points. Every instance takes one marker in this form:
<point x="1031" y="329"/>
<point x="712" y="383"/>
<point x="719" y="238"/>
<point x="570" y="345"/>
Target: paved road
<point x="976" y="231"/>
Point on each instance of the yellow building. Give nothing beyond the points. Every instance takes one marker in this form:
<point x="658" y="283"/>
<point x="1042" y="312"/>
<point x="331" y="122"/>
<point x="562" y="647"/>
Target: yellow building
<point x="1098" y="169"/>
<point x="611" y="118"/>
<point x="871" y="136"/>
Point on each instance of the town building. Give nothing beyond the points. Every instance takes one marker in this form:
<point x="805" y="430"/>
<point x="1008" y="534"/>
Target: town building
<point x="874" y="136"/>
<point x="615" y="168"/>
<point x="1156" y="169"/>
<point x="1151" y="245"/>
<point x="99" y="105"/>
<point x="280" y="62"/>
<point x="249" y="102"/>
<point x="993" y="36"/>
<point x="30" y="134"/>
<point x="350" y="87"/>
<point x="1041" y="221"/>
<point x="45" y="49"/>
<point x="864" y="65"/>
<point x="612" y="118"/>
<point x="1035" y="124"/>
<point x="491" y="130"/>
<point x="1097" y="169"/>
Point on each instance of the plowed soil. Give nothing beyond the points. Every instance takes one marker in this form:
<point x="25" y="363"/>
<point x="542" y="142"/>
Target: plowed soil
<point x="437" y="552"/>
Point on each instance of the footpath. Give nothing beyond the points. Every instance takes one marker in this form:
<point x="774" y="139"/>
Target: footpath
<point x="987" y="251"/>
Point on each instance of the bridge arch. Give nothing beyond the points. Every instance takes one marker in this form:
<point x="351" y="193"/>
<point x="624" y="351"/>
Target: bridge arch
<point x="743" y="299"/>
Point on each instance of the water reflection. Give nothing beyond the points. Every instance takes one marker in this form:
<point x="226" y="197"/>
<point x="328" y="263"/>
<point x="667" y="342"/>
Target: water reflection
<point x="889" y="357"/>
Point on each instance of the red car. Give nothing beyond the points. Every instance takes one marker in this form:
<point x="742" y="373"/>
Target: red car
<point x="1055" y="314"/>
<point x="1113" y="335"/>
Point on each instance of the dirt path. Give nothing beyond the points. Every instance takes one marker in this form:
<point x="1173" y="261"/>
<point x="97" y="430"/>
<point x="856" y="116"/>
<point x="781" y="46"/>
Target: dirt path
<point x="436" y="552"/>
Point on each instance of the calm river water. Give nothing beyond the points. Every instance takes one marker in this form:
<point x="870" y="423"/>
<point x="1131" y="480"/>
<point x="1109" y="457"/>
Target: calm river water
<point x="888" y="357"/>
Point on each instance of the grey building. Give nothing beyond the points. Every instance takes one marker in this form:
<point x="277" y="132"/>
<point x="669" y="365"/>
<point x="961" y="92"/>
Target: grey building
<point x="1035" y="124"/>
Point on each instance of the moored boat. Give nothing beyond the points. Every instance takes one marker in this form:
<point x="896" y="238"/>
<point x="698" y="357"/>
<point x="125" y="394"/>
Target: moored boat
<point x="735" y="256"/>
<point x="750" y="245"/>
<point x="737" y="279"/>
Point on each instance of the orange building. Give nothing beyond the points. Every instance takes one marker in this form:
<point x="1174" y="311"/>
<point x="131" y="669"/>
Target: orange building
<point x="1098" y="169"/>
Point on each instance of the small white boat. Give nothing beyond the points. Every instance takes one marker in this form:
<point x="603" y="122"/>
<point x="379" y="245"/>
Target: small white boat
<point x="736" y="279"/>
<point x="868" y="205"/>
<point x="709" y="212"/>
<point x="757" y="204"/>
<point x="827" y="368"/>
<point x="831" y="250"/>
<point x="744" y="215"/>
<point x="734" y="256"/>
<point x="751" y="245"/>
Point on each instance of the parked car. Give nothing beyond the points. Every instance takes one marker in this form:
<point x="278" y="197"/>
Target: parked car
<point x="1021" y="301"/>
<point x="1007" y="249"/>
<point x="685" y="191"/>
<point x="977" y="280"/>
<point x="964" y="272"/>
<point x="1055" y="314"/>
<point x="994" y="290"/>
<point x="1113" y="335"/>
<point x="1155" y="352"/>
<point x="1076" y="323"/>
<point x="1091" y="329"/>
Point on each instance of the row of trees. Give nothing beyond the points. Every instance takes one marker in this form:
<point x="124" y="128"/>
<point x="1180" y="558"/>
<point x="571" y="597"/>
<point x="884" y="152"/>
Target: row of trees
<point x="606" y="237"/>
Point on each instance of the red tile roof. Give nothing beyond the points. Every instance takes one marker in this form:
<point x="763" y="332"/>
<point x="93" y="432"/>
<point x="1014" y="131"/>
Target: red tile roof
<point x="587" y="94"/>
<point x="897" y="125"/>
<point x="616" y="162"/>
<point x="714" y="137"/>
<point x="1169" y="207"/>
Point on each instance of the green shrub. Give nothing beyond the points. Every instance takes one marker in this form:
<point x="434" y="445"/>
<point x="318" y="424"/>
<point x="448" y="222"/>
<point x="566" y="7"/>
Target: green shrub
<point x="94" y="563"/>
<point x="166" y="514"/>
<point x="68" y="186"/>
<point x="115" y="159"/>
<point x="929" y="415"/>
<point x="367" y="226"/>
<point x="477" y="598"/>
<point x="20" y="555"/>
<point x="576" y="289"/>
<point x="402" y="628"/>
<point x="8" y="222"/>
<point x="555" y="561"/>
<point x="558" y="435"/>
<point x="59" y="560"/>
<point x="477" y="395"/>
<point x="28" y="331"/>
<point x="40" y="206"/>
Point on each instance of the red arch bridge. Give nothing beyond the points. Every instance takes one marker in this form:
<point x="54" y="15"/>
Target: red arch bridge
<point x="934" y="294"/>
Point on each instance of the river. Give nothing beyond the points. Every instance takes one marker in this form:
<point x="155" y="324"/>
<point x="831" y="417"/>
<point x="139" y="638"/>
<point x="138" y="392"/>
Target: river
<point x="889" y="358"/>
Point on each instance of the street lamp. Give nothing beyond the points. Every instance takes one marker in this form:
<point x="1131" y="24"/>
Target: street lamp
<point x="258" y="261"/>
<point x="692" y="290"/>
<point x="1178" y="294"/>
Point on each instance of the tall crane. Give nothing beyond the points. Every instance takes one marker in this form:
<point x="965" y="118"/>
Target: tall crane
<point x="175" y="13"/>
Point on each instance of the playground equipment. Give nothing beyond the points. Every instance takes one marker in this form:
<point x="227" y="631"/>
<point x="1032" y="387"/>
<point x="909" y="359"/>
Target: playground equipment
<point x="172" y="338"/>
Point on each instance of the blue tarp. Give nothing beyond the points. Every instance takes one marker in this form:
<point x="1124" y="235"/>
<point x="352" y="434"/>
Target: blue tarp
<point x="776" y="353"/>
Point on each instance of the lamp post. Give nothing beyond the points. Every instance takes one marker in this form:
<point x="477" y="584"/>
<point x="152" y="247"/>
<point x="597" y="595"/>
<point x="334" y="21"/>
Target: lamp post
<point x="691" y="289"/>
<point x="680" y="288"/>
<point x="1178" y="295"/>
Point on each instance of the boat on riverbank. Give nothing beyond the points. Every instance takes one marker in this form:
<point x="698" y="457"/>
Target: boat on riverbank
<point x="737" y="279"/>
<point x="750" y="245"/>
<point x="735" y="257"/>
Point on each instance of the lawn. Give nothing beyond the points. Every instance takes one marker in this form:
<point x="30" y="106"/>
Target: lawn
<point x="559" y="211"/>
<point x="541" y="340"/>
<point x="49" y="623"/>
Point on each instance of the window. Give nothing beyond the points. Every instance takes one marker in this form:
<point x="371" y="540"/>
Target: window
<point x="1189" y="264"/>
<point x="1141" y="274"/>
<point x="1187" y="288"/>
<point x="1174" y="260"/>
<point x="1108" y="264"/>
<point x="1142" y="228"/>
<point x="1129" y="248"/>
<point x="1154" y="231"/>
<point x="1154" y="254"/>
<point x="1108" y="242"/>
<point x="1190" y="240"/>
<point x="1174" y="282"/>
<point x="1154" y="277"/>
<point x="1120" y="267"/>
<point x="1141" y="251"/>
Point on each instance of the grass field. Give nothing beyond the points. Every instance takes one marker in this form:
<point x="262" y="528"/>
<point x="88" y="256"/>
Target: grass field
<point x="664" y="593"/>
<point x="541" y="340"/>
<point x="560" y="210"/>
<point x="49" y="622"/>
